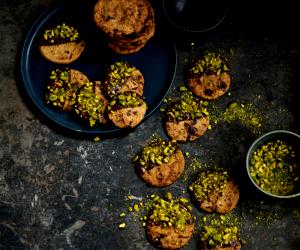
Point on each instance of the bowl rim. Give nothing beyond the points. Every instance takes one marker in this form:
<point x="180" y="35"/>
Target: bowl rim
<point x="249" y="153"/>
<point x="219" y="21"/>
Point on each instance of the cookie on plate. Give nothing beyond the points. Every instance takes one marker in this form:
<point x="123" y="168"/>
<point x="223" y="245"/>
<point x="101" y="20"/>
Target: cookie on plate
<point x="215" y="191"/>
<point x="170" y="222"/>
<point x="136" y="41"/>
<point x="62" y="88"/>
<point x="122" y="77"/>
<point x="187" y="119"/>
<point x="91" y="104"/>
<point x="118" y="18"/>
<point x="127" y="110"/>
<point x="61" y="44"/>
<point x="128" y="24"/>
<point x="160" y="163"/>
<point x="209" y="78"/>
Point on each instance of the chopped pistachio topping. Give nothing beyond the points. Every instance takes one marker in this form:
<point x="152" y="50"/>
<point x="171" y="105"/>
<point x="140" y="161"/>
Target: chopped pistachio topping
<point x="210" y="63"/>
<point x="273" y="167"/>
<point x="169" y="212"/>
<point x="208" y="182"/>
<point x="157" y="152"/>
<point x="60" y="89"/>
<point x="61" y="33"/>
<point x="118" y="72"/>
<point x="126" y="100"/>
<point x="89" y="105"/>
<point x="188" y="107"/>
<point x="220" y="232"/>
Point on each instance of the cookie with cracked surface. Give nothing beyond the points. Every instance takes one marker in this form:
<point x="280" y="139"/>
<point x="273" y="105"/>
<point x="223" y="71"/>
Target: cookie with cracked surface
<point x="118" y="18"/>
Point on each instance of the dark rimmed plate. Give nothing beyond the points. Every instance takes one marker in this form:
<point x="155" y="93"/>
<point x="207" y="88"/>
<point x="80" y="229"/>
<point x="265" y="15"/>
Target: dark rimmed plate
<point x="157" y="61"/>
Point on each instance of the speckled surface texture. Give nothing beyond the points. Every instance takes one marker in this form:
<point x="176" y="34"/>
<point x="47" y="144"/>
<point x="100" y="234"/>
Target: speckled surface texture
<point x="60" y="191"/>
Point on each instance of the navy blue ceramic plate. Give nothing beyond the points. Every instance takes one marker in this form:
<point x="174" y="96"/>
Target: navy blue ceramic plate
<point x="157" y="61"/>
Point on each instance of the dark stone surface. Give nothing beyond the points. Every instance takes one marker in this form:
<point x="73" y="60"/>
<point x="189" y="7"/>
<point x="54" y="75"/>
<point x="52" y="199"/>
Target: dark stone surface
<point x="63" y="192"/>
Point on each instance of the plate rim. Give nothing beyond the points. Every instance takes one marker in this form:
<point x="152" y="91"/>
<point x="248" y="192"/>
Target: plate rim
<point x="27" y="44"/>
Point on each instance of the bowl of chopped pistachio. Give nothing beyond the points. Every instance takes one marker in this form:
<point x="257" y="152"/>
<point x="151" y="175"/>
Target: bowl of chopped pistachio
<point x="273" y="164"/>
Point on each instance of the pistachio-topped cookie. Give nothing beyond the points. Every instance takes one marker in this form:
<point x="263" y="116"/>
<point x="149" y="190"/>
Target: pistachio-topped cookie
<point x="220" y="234"/>
<point x="209" y="77"/>
<point x="61" y="44"/>
<point x="91" y="104"/>
<point x="127" y="109"/>
<point x="122" y="77"/>
<point x="170" y="222"/>
<point x="160" y="163"/>
<point x="187" y="119"/>
<point x="62" y="88"/>
<point x="215" y="191"/>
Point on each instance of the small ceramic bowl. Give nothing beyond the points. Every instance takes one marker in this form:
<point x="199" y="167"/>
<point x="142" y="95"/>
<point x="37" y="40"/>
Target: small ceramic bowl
<point x="195" y="16"/>
<point x="290" y="139"/>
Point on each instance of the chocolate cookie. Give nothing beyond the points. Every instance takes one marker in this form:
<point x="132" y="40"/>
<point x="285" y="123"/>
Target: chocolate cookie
<point x="170" y="224"/>
<point x="122" y="77"/>
<point x="187" y="119"/>
<point x="91" y="104"/>
<point x="127" y="110"/>
<point x="215" y="192"/>
<point x="62" y="88"/>
<point x="120" y="17"/>
<point x="160" y="163"/>
<point x="61" y="44"/>
<point x="128" y="24"/>
<point x="209" y="78"/>
<point x="134" y="42"/>
<point x="220" y="233"/>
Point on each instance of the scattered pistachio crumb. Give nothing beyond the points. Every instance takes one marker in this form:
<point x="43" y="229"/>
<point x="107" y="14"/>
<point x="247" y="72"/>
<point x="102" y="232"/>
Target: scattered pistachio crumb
<point x="97" y="138"/>
<point x="122" y="225"/>
<point x="122" y="214"/>
<point x="246" y="114"/>
<point x="136" y="207"/>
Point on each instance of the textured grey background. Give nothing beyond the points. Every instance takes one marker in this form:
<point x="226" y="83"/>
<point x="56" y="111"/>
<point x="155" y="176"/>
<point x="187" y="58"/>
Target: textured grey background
<point x="59" y="191"/>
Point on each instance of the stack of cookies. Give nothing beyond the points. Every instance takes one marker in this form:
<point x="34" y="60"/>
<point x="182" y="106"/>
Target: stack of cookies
<point x="129" y="24"/>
